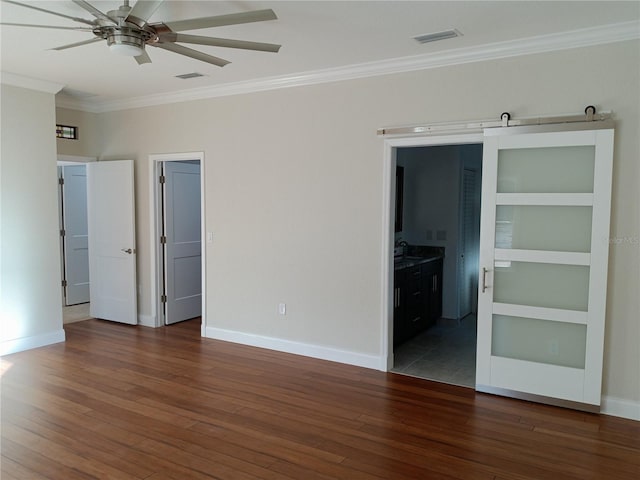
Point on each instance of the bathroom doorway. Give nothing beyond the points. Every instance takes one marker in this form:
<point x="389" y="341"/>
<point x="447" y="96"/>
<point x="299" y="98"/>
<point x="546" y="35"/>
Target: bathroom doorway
<point x="441" y="218"/>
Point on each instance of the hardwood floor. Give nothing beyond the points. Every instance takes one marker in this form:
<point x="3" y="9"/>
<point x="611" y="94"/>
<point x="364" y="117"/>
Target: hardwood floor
<point x="124" y="402"/>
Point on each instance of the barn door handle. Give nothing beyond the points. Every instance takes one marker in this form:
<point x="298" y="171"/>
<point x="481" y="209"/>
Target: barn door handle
<point x="128" y="250"/>
<point x="484" y="279"/>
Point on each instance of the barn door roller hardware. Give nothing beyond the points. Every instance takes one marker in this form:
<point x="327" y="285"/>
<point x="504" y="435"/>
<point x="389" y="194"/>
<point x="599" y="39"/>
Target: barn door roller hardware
<point x="589" y="115"/>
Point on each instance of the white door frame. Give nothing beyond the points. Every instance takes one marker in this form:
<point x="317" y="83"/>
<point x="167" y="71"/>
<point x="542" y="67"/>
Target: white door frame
<point x="388" y="228"/>
<point x="156" y="228"/>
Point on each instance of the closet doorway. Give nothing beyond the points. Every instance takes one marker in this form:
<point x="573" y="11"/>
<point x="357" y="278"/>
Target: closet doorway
<point x="178" y="237"/>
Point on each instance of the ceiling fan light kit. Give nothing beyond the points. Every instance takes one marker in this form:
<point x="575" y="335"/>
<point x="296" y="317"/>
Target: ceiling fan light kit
<point x="127" y="32"/>
<point x="122" y="43"/>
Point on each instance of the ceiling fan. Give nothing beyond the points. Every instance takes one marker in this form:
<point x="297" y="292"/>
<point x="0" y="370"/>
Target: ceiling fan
<point x="128" y="32"/>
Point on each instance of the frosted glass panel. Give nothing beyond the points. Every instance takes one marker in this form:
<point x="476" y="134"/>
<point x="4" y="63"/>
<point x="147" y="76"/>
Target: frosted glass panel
<point x="542" y="285"/>
<point x="546" y="170"/>
<point x="541" y="341"/>
<point x="563" y="229"/>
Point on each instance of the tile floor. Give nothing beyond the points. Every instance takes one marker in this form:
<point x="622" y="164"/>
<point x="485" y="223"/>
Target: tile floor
<point x="445" y="352"/>
<point x="75" y="313"/>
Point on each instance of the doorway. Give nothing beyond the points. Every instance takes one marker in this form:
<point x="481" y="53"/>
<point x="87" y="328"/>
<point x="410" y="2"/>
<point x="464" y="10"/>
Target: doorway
<point x="441" y="223"/>
<point x="72" y="219"/>
<point x="177" y="245"/>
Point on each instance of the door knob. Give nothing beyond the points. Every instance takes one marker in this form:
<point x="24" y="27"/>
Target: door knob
<point x="128" y="250"/>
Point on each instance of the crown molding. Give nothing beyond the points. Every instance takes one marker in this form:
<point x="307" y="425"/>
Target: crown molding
<point x="7" y="78"/>
<point x="618" y="32"/>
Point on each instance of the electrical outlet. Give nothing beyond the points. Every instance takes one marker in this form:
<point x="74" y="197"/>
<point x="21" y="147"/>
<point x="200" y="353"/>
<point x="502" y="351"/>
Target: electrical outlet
<point x="282" y="308"/>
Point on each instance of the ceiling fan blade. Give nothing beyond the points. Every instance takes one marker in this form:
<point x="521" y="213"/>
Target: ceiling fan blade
<point x="142" y="59"/>
<point x="143" y="9"/>
<point x="80" y="29"/>
<point x="95" y="12"/>
<point x="219" y="42"/>
<point x="75" y="19"/>
<point x="172" y="47"/>
<point x="78" y="44"/>
<point x="221" y="20"/>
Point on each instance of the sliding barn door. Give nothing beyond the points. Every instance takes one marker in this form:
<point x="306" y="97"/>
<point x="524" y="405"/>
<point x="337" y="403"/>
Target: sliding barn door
<point x="543" y="263"/>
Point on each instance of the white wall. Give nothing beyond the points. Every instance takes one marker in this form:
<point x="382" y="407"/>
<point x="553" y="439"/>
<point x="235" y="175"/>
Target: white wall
<point x="88" y="140"/>
<point x="294" y="190"/>
<point x="30" y="303"/>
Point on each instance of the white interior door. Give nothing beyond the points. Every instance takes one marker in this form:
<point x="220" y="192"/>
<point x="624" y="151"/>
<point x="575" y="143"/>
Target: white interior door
<point x="183" y="270"/>
<point x="112" y="248"/>
<point x="75" y="234"/>
<point x="543" y="257"/>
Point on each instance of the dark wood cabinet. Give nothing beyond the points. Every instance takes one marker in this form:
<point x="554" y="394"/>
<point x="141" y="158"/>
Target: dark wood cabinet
<point x="417" y="299"/>
<point x="433" y="279"/>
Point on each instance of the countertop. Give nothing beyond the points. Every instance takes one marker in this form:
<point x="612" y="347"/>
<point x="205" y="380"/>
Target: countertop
<point x="407" y="261"/>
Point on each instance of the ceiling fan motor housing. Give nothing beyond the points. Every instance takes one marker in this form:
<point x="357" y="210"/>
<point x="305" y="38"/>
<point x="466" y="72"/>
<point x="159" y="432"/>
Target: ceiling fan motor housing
<point x="126" y="41"/>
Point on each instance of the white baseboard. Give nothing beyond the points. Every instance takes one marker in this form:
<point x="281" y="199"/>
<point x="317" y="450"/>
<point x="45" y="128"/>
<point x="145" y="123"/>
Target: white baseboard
<point x="8" y="347"/>
<point x="298" y="348"/>
<point x="147" y="321"/>
<point x="620" y="407"/>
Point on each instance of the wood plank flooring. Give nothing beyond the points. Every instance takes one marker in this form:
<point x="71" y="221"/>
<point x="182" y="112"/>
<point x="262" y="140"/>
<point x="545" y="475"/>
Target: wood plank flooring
<point x="124" y="402"/>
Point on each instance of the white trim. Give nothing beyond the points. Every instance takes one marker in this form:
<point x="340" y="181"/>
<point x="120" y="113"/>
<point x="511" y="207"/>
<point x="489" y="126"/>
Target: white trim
<point x="601" y="225"/>
<point x="388" y="230"/>
<point x="541" y="313"/>
<point x="388" y="243"/>
<point x="553" y="381"/>
<point x="546" y="199"/>
<point x="617" y="32"/>
<point x="486" y="261"/>
<point x="8" y="347"/>
<point x="30" y="83"/>
<point x="548" y="136"/>
<point x="531" y="397"/>
<point x="147" y="320"/>
<point x="620" y="407"/>
<point x="542" y="256"/>
<point x="154" y="160"/>
<point x="298" y="348"/>
<point x="74" y="159"/>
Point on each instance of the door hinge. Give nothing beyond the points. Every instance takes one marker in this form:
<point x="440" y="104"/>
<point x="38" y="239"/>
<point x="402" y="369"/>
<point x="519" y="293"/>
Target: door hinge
<point x="60" y="181"/>
<point x="64" y="283"/>
<point x="63" y="232"/>
<point x="163" y="179"/>
<point x="163" y="299"/>
<point x="163" y="239"/>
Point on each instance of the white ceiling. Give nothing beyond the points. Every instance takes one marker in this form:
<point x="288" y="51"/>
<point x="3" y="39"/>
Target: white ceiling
<point x="315" y="36"/>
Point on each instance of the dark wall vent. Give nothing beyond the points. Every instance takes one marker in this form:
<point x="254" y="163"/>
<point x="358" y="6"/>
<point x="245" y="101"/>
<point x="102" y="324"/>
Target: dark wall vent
<point x="185" y="76"/>
<point x="434" y="37"/>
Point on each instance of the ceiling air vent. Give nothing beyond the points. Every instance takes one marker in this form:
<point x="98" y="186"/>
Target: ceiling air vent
<point x="185" y="76"/>
<point x="434" y="37"/>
